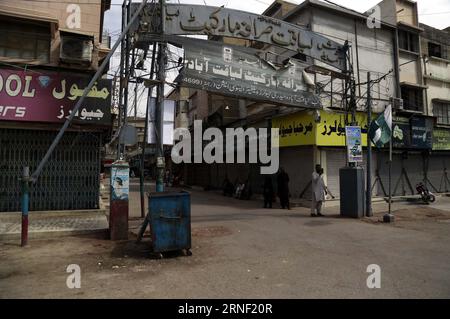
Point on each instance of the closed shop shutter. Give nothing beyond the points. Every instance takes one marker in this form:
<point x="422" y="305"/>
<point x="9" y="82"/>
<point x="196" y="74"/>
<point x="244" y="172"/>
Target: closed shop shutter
<point x="413" y="166"/>
<point x="336" y="159"/>
<point x="437" y="164"/>
<point x="69" y="181"/>
<point x="298" y="162"/>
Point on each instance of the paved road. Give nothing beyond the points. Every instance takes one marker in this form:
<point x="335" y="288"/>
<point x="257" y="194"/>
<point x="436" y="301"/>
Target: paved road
<point x="243" y="251"/>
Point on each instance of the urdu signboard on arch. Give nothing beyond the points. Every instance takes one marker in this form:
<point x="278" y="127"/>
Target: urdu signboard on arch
<point x="237" y="71"/>
<point x="188" y="19"/>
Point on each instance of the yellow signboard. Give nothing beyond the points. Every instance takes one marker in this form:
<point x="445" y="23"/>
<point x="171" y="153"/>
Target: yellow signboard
<point x="301" y="129"/>
<point x="296" y="129"/>
<point x="331" y="129"/>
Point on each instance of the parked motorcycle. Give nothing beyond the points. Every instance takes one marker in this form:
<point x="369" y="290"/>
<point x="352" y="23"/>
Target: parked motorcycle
<point x="427" y="196"/>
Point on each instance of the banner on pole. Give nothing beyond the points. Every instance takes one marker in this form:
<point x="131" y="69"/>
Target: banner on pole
<point x="354" y="144"/>
<point x="168" y="122"/>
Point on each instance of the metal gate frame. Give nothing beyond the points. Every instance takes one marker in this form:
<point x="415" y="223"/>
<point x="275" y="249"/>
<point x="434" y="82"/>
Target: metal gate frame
<point x="70" y="180"/>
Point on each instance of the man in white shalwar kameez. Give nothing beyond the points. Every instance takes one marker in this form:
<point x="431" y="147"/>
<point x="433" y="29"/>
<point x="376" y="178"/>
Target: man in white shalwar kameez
<point x="319" y="190"/>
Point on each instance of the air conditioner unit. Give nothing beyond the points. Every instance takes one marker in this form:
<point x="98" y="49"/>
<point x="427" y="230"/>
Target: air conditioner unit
<point x="397" y="104"/>
<point x="76" y="50"/>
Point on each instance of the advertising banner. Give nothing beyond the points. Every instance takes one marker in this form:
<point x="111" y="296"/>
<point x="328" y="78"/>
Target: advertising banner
<point x="184" y="19"/>
<point x="354" y="144"/>
<point x="302" y="129"/>
<point x="441" y="139"/>
<point x="235" y="71"/>
<point x="45" y="96"/>
<point x="401" y="133"/>
<point x="120" y="181"/>
<point x="422" y="133"/>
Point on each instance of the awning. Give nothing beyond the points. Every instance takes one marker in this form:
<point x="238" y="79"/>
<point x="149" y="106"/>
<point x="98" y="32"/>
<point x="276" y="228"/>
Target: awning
<point x="414" y="85"/>
<point x="410" y="27"/>
<point x="76" y="32"/>
<point x="27" y="14"/>
<point x="440" y="101"/>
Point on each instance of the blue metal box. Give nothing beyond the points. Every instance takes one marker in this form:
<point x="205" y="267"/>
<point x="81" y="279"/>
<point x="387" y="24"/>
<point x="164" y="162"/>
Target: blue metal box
<point x="170" y="221"/>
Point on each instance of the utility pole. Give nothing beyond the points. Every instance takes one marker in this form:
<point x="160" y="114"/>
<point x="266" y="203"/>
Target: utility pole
<point x="159" y="112"/>
<point x="142" y="163"/>
<point x="86" y="91"/>
<point x="26" y="179"/>
<point x="388" y="218"/>
<point x="127" y="71"/>
<point x="133" y="74"/>
<point x="121" y="83"/>
<point x="369" y="151"/>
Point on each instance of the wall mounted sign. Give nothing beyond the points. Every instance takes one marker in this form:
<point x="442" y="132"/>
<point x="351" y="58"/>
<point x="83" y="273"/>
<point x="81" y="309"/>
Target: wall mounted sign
<point x="441" y="139"/>
<point x="44" y="96"/>
<point x="296" y="129"/>
<point x="421" y="133"/>
<point x="331" y="129"/>
<point x="301" y="129"/>
<point x="401" y="133"/>
<point x="236" y="71"/>
<point x="182" y="19"/>
<point x="354" y="144"/>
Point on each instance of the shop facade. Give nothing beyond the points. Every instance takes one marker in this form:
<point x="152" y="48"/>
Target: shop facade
<point x="420" y="155"/>
<point x="33" y="105"/>
<point x="307" y="139"/>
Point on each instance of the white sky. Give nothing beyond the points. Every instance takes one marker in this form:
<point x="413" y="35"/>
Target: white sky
<point x="432" y="12"/>
<point x="435" y="13"/>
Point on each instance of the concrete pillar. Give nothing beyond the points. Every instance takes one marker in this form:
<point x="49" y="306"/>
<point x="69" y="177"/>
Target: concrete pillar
<point x="242" y="109"/>
<point x="118" y="212"/>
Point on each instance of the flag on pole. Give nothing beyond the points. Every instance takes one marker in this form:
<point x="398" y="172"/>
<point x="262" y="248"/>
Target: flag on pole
<point x="380" y="130"/>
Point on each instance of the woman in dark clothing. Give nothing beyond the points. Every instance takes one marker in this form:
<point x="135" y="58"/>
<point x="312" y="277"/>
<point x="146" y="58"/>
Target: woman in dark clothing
<point x="268" y="192"/>
<point x="283" y="189"/>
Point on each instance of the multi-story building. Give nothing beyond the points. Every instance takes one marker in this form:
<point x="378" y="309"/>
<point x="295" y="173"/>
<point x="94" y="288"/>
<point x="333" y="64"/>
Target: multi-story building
<point x="435" y="45"/>
<point x="370" y="50"/>
<point x="49" y="51"/>
<point x="388" y="47"/>
<point x="404" y="15"/>
<point x="420" y="147"/>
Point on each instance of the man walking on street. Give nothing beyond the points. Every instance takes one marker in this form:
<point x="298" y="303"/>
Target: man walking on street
<point x="283" y="188"/>
<point x="319" y="190"/>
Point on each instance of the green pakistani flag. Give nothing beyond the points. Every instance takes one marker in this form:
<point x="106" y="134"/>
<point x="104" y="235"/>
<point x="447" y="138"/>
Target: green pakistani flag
<point x="380" y="130"/>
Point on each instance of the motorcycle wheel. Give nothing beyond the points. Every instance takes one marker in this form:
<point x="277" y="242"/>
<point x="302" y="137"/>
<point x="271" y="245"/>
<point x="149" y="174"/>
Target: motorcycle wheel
<point x="431" y="198"/>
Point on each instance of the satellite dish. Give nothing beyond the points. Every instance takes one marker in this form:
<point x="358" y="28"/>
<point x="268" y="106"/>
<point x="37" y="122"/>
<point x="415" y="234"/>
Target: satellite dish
<point x="307" y="79"/>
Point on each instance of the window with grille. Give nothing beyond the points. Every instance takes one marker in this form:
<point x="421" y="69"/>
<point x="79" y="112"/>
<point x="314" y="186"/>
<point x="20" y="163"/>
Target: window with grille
<point x="442" y="112"/>
<point x="412" y="98"/>
<point x="434" y="50"/>
<point x="408" y="41"/>
<point x="24" y="39"/>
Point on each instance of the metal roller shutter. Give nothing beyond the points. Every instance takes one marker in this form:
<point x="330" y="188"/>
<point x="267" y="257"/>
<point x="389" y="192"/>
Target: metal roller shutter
<point x="437" y="164"/>
<point x="336" y="159"/>
<point x="69" y="181"/>
<point x="414" y="167"/>
<point x="298" y="162"/>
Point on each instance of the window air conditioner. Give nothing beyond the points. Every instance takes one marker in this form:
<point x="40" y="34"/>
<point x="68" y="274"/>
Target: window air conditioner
<point x="76" y="50"/>
<point x="397" y="104"/>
